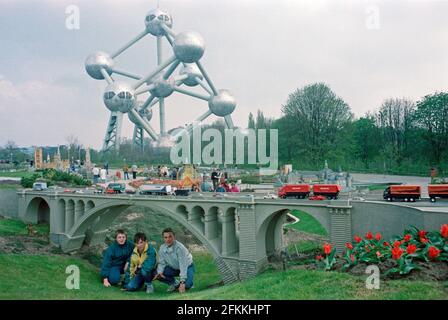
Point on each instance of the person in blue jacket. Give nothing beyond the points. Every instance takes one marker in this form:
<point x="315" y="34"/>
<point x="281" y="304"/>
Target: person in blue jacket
<point x="115" y="259"/>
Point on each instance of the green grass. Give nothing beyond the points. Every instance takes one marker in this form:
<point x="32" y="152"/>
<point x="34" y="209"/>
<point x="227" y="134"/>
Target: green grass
<point x="304" y="246"/>
<point x="320" y="285"/>
<point x="378" y="187"/>
<point x="307" y="223"/>
<point x="11" y="227"/>
<point x="10" y="186"/>
<point x="16" y="174"/>
<point x="44" y="277"/>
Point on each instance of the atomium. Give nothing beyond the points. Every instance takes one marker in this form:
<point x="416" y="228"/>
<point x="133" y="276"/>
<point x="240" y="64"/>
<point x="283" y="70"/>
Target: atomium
<point x="177" y="73"/>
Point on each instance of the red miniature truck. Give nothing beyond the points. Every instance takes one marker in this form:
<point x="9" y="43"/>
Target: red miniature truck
<point x="331" y="191"/>
<point x="437" y="191"/>
<point x="404" y="192"/>
<point x="299" y="191"/>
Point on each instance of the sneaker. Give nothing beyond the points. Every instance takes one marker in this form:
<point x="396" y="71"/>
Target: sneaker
<point x="173" y="287"/>
<point x="149" y="288"/>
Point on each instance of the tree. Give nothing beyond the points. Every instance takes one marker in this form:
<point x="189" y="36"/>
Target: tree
<point x="319" y="116"/>
<point x="251" y="121"/>
<point x="395" y="122"/>
<point x="366" y="139"/>
<point x="431" y="115"/>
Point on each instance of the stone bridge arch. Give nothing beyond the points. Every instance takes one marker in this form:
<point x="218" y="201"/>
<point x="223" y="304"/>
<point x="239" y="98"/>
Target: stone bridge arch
<point x="37" y="210"/>
<point x="94" y="224"/>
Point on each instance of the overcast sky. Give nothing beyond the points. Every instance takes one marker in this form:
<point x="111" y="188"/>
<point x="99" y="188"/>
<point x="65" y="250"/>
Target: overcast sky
<point x="260" y="50"/>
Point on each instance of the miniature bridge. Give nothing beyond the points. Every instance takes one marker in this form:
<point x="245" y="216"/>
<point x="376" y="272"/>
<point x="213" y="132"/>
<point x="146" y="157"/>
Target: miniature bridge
<point x="241" y="232"/>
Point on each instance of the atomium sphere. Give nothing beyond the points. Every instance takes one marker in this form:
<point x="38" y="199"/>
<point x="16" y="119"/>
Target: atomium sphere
<point x="162" y="87"/>
<point x="145" y="114"/>
<point x="119" y="96"/>
<point x="189" y="46"/>
<point x="154" y="20"/>
<point x="193" y="72"/>
<point x="223" y="104"/>
<point x="96" y="61"/>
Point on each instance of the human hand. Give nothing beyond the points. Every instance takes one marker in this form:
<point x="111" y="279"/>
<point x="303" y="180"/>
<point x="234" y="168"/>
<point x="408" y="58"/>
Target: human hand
<point x="106" y="282"/>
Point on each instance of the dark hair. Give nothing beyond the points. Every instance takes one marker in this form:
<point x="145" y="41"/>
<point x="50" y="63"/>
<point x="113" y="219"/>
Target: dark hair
<point x="168" y="230"/>
<point x="139" y="236"/>
<point x="120" y="231"/>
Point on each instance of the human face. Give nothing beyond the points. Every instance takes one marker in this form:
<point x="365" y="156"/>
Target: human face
<point x="121" y="238"/>
<point x="168" y="238"/>
<point x="141" y="245"/>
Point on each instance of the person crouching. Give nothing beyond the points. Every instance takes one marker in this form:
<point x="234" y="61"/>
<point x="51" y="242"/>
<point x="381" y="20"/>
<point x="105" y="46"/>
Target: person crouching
<point x="142" y="265"/>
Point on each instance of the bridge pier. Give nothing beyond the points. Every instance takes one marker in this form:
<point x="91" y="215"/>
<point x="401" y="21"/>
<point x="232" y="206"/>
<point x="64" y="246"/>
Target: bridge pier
<point x="251" y="259"/>
<point x="340" y="226"/>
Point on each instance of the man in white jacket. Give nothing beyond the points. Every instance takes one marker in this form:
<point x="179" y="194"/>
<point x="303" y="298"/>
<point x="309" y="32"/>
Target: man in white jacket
<point x="175" y="260"/>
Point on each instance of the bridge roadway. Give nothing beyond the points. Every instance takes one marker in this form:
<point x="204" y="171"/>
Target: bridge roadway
<point x="240" y="231"/>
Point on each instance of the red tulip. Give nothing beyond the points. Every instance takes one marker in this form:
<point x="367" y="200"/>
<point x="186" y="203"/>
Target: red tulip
<point x="444" y="230"/>
<point x="423" y="240"/>
<point x="397" y="244"/>
<point x="352" y="257"/>
<point x="319" y="257"/>
<point x="433" y="252"/>
<point x="386" y="244"/>
<point x="367" y="248"/>
<point x="357" y="238"/>
<point x="407" y="237"/>
<point x="327" y="249"/>
<point x="378" y="254"/>
<point x="411" y="249"/>
<point x="422" y="233"/>
<point x="349" y="246"/>
<point x="369" y="235"/>
<point x="378" y="236"/>
<point x="396" y="253"/>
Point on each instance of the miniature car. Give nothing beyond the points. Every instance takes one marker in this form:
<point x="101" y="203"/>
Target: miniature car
<point x="270" y="196"/>
<point x="319" y="197"/>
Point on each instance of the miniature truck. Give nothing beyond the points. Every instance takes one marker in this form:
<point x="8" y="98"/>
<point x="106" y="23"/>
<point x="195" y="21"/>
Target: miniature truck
<point x="299" y="191"/>
<point x="331" y="191"/>
<point x="156" y="189"/>
<point x="437" y="191"/>
<point x="115" y="187"/>
<point x="402" y="192"/>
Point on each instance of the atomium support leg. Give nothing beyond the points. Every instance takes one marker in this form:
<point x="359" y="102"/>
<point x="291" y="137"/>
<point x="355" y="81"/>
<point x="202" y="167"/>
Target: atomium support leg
<point x="162" y="100"/>
<point x="137" y="138"/>
<point x="113" y="131"/>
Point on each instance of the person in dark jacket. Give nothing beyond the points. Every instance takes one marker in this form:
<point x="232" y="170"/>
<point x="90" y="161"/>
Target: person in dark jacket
<point x="142" y="265"/>
<point x="115" y="259"/>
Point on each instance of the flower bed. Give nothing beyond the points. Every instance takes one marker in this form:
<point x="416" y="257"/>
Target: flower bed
<point x="414" y="250"/>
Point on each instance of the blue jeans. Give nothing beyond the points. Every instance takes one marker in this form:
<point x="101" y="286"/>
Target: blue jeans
<point x="114" y="274"/>
<point x="170" y="273"/>
<point x="139" y="279"/>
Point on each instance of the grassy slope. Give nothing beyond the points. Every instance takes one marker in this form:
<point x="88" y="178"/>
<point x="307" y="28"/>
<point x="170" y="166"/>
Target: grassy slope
<point x="307" y="223"/>
<point x="43" y="277"/>
<point x="9" y="227"/>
